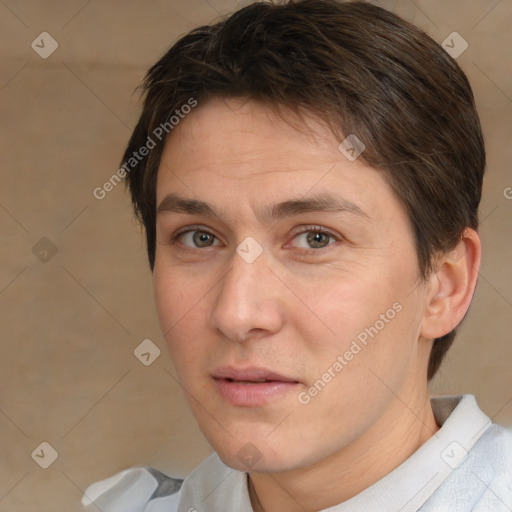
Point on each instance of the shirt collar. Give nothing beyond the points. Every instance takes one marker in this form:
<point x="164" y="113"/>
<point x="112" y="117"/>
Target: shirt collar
<point x="214" y="486"/>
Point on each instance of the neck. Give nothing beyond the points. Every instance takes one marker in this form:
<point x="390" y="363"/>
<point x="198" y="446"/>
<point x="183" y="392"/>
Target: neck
<point x="392" y="440"/>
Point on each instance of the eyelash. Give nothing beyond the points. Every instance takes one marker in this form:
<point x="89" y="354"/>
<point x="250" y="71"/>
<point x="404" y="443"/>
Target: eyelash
<point x="175" y="237"/>
<point x="306" y="229"/>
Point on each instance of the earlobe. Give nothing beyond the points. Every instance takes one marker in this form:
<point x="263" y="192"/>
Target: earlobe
<point x="452" y="286"/>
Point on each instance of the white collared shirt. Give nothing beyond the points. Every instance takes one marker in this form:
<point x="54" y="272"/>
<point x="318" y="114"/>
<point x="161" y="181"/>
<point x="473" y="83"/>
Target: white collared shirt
<point x="465" y="466"/>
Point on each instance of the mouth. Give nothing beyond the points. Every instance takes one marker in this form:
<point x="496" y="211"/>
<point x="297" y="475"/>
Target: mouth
<point x="252" y="387"/>
<point x="248" y="382"/>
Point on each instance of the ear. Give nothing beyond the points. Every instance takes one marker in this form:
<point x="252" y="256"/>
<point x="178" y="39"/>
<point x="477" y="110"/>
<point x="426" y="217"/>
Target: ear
<point x="451" y="286"/>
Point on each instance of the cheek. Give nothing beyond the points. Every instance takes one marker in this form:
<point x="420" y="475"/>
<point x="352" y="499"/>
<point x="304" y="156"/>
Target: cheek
<point x="370" y="354"/>
<point x="169" y="300"/>
<point x="177" y="294"/>
<point x="370" y="320"/>
<point x="357" y="380"/>
<point x="179" y="308"/>
<point x="335" y="311"/>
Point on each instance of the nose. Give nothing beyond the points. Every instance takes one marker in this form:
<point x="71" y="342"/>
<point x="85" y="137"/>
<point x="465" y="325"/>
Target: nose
<point x="248" y="301"/>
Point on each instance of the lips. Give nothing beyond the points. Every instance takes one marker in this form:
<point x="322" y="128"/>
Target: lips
<point x="250" y="375"/>
<point x="251" y="387"/>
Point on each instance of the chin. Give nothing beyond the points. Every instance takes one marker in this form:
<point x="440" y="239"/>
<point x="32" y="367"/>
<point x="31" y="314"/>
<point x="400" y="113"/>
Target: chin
<point x="251" y="460"/>
<point x="258" y="455"/>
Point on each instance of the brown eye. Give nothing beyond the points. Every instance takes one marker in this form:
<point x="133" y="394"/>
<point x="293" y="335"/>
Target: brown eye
<point x="197" y="239"/>
<point x="317" y="239"/>
<point x="313" y="239"/>
<point x="202" y="239"/>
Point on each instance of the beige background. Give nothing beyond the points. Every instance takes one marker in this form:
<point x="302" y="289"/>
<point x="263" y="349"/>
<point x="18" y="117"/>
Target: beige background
<point x="68" y="375"/>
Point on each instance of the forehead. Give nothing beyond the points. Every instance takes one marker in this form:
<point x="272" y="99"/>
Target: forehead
<point x="229" y="149"/>
<point x="231" y="127"/>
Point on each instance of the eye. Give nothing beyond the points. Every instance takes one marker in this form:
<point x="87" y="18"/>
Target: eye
<point x="196" y="238"/>
<point x="314" y="239"/>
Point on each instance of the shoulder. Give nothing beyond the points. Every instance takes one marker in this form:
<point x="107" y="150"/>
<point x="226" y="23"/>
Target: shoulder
<point x="483" y="479"/>
<point x="495" y="447"/>
<point x="139" y="489"/>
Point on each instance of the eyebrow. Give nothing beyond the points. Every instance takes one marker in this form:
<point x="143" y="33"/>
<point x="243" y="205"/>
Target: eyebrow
<point x="173" y="203"/>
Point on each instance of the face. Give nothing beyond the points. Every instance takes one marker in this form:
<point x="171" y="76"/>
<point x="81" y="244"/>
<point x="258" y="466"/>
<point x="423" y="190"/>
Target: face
<point x="286" y="284"/>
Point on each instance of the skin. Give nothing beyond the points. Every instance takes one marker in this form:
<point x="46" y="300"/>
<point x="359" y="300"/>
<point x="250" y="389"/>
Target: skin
<point x="296" y="308"/>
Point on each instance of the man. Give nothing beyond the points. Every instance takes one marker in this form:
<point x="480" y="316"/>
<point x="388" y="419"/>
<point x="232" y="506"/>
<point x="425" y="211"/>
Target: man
<point x="308" y="176"/>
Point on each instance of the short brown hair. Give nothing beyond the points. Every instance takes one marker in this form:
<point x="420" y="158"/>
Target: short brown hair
<point x="363" y="70"/>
